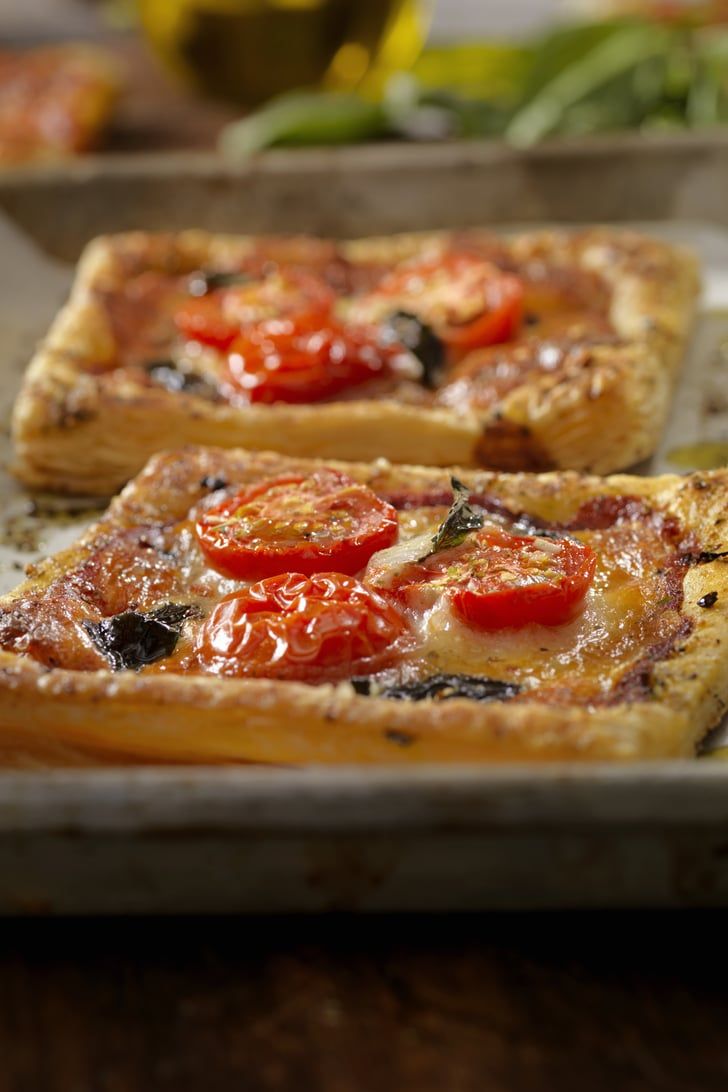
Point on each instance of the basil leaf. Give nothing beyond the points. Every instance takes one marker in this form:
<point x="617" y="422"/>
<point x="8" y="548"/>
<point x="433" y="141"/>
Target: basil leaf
<point x="133" y="639"/>
<point x="304" y="117"/>
<point x="613" y="55"/>
<point x="458" y="523"/>
<point x="421" y="341"/>
<point x="442" y="687"/>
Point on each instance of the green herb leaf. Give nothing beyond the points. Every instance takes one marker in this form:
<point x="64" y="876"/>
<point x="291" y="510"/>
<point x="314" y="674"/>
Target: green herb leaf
<point x="304" y="117"/>
<point x="422" y="342"/>
<point x="438" y="688"/>
<point x="458" y="523"/>
<point x="617" y="53"/>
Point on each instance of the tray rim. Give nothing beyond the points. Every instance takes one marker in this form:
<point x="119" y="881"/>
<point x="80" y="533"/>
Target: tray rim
<point x="370" y="157"/>
<point x="340" y="800"/>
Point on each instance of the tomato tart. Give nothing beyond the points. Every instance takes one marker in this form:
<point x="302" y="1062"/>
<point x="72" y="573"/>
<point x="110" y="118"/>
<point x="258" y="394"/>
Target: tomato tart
<point x="544" y="350"/>
<point x="252" y="607"/>
<point x="54" y="101"/>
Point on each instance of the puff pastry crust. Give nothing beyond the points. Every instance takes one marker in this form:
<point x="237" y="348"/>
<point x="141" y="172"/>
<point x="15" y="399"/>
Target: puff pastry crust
<point x="67" y="715"/>
<point x="84" y="425"/>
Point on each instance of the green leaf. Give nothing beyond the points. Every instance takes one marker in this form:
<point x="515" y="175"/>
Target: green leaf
<point x="410" y="107"/>
<point x="559" y="48"/>
<point x="707" y="102"/>
<point x="469" y="117"/>
<point x="304" y="117"/>
<point x="612" y="56"/>
<point x="458" y="523"/>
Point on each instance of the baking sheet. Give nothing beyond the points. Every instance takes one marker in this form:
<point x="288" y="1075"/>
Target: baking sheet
<point x="197" y="840"/>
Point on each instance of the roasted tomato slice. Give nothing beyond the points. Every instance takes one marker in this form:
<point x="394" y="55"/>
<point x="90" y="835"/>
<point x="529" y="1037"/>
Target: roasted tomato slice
<point x="468" y="302"/>
<point x="218" y="317"/>
<point x="203" y="320"/>
<point x="305" y="358"/>
<point x="297" y="524"/>
<point x="328" y="626"/>
<point x="496" y="580"/>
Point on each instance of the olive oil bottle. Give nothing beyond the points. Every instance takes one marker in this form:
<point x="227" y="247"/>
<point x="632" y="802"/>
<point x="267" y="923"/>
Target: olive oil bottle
<point x="245" y="51"/>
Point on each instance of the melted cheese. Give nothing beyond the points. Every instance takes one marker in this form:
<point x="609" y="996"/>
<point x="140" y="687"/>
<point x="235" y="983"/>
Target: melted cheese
<point x="629" y="610"/>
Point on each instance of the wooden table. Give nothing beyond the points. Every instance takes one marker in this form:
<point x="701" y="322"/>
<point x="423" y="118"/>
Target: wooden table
<point x="492" y="1003"/>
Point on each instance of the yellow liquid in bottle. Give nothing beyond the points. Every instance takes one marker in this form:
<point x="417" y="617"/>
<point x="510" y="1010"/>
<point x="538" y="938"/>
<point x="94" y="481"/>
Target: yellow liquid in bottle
<point x="245" y="51"/>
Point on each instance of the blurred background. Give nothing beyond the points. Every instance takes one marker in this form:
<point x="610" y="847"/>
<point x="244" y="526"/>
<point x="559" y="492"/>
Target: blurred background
<point x="242" y="75"/>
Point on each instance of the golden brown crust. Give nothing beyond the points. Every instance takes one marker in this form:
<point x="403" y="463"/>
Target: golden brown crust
<point x="75" y="434"/>
<point x="203" y="719"/>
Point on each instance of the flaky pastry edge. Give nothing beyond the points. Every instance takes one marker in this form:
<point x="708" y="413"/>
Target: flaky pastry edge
<point x="76" y="434"/>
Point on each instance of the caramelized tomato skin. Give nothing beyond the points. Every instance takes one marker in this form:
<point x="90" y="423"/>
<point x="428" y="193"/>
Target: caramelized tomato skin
<point x="291" y="626"/>
<point x="221" y="315"/>
<point x="496" y="580"/>
<point x="306" y="358"/>
<point x="469" y="302"/>
<point x="203" y="320"/>
<point x="551" y="601"/>
<point x="299" y="524"/>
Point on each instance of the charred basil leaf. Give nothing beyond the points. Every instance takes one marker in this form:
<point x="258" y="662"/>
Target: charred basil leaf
<point x="462" y="518"/>
<point x="165" y="373"/>
<point x="422" y="341"/>
<point x="133" y="639"/>
<point x="203" y="281"/>
<point x="440" y="688"/>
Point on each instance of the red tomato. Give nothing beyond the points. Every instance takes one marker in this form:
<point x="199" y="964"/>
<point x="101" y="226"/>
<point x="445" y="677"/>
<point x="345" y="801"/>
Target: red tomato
<point x="203" y="320"/>
<point x="291" y="626"/>
<point x="218" y="317"/>
<point x="496" y="580"/>
<point x="297" y="524"/>
<point x="468" y="301"/>
<point x="304" y="358"/>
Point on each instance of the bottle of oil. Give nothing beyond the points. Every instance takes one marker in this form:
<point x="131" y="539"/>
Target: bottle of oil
<point x="245" y="51"/>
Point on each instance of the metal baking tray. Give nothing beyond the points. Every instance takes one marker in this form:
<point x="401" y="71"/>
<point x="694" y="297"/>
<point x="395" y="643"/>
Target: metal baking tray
<point x="251" y="839"/>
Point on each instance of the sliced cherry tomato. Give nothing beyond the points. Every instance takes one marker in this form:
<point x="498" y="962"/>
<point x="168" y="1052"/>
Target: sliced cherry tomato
<point x="291" y="626"/>
<point x="499" y="324"/>
<point x="297" y="524"/>
<point x="496" y="580"/>
<point x="203" y="320"/>
<point x="469" y="302"/>
<point x="218" y="317"/>
<point x="283" y="291"/>
<point x="305" y="358"/>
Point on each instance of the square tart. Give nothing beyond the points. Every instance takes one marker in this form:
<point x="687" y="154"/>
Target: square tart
<point x="585" y="385"/>
<point x="640" y="674"/>
<point x="55" y="101"/>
